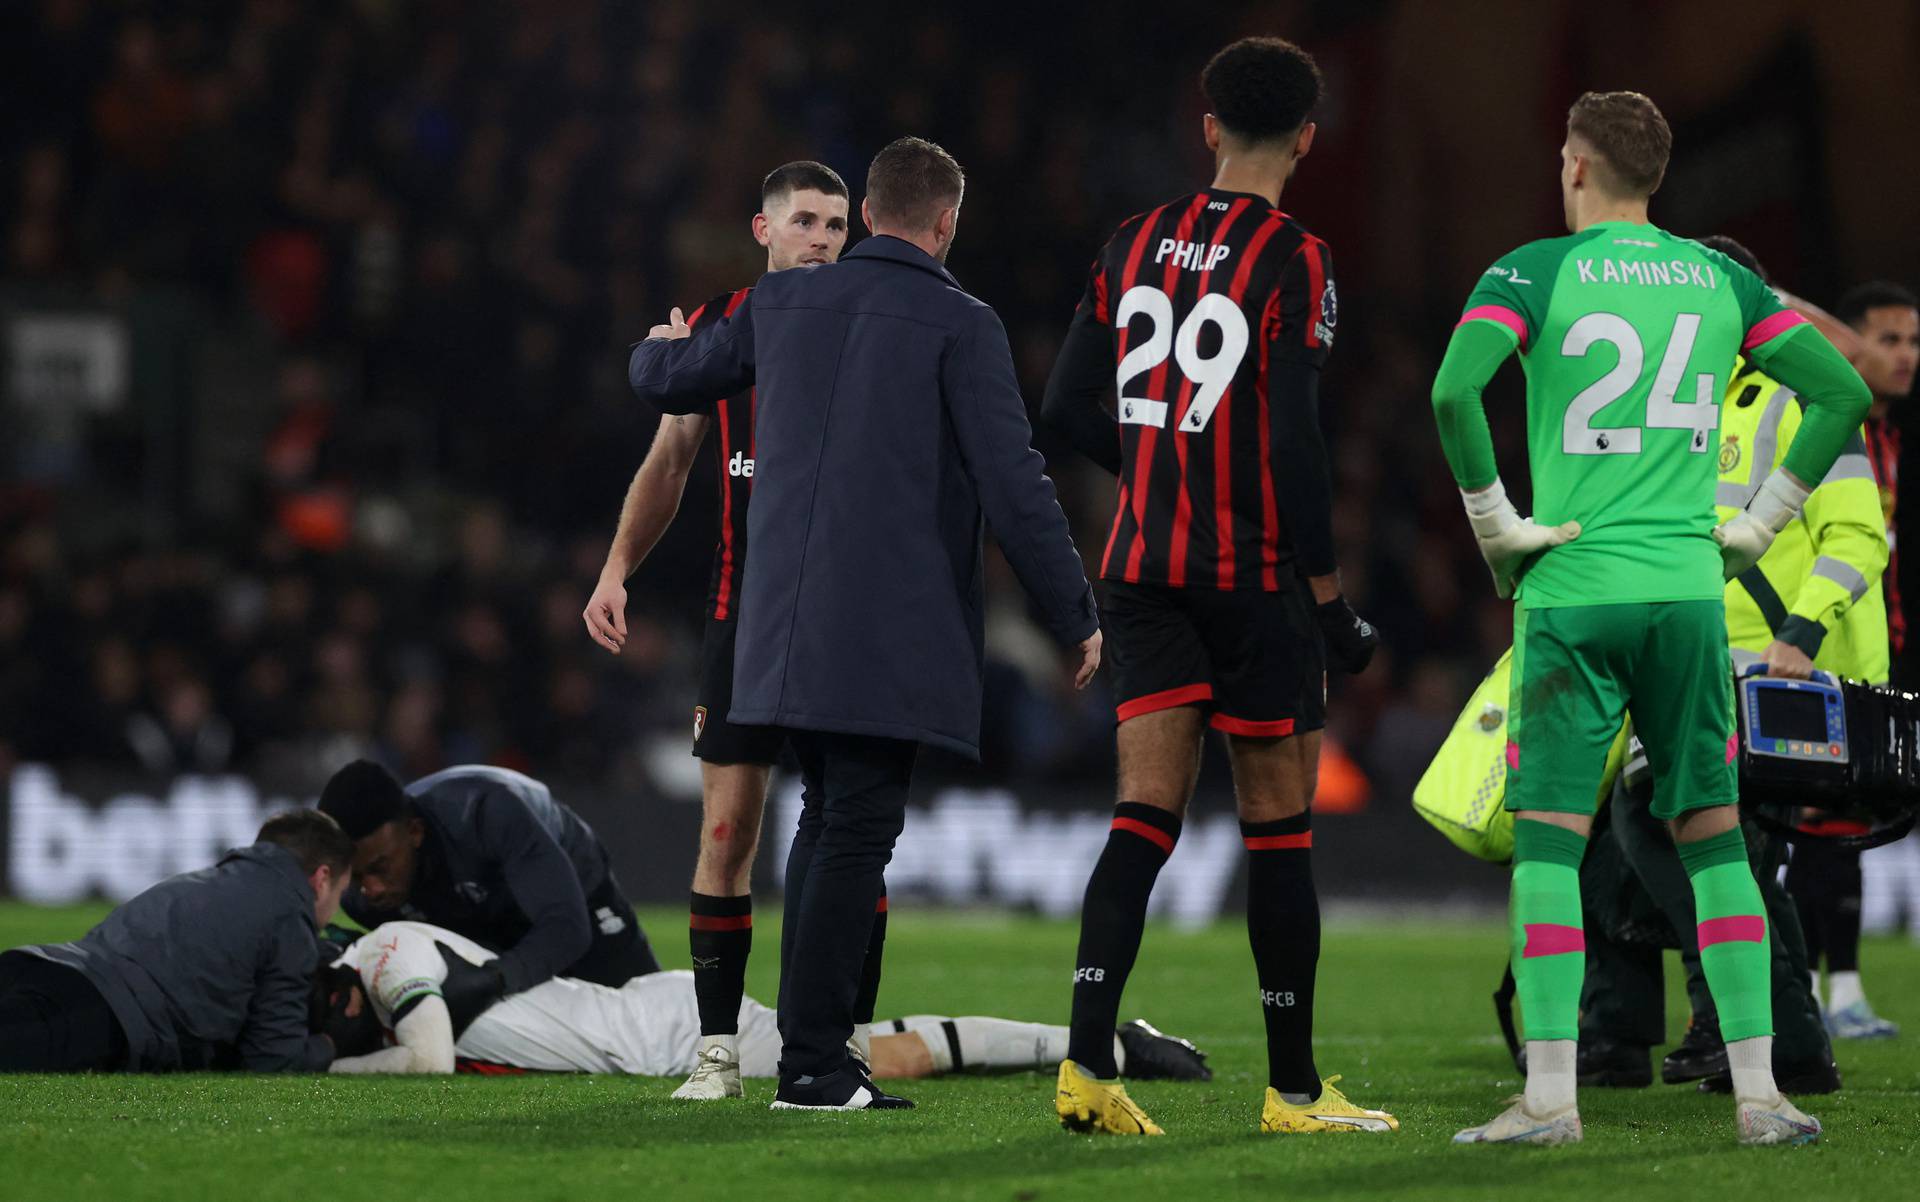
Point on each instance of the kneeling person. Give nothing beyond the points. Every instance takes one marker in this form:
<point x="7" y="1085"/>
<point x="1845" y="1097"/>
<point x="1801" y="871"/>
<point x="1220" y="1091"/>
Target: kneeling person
<point x="412" y="974"/>
<point x="206" y="970"/>
<point x="490" y="854"/>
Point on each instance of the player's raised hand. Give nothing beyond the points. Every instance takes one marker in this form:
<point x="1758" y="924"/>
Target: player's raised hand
<point x="1089" y="661"/>
<point x="676" y="327"/>
<point x="606" y="614"/>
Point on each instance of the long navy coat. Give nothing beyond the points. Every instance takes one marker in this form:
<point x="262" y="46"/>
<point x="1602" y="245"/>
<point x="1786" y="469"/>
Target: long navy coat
<point x="888" y="421"/>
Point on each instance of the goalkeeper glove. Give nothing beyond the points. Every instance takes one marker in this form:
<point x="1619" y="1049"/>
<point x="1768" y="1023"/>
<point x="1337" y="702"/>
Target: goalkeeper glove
<point x="469" y="988"/>
<point x="1746" y="536"/>
<point x="1506" y="539"/>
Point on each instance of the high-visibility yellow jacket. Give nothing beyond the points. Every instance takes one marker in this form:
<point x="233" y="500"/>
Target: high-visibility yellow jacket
<point x="1818" y="588"/>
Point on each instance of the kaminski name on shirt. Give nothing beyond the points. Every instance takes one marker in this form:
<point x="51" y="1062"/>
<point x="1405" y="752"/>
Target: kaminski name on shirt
<point x="1650" y="274"/>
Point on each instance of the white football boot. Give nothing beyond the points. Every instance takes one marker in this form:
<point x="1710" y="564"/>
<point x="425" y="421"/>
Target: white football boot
<point x="717" y="1073"/>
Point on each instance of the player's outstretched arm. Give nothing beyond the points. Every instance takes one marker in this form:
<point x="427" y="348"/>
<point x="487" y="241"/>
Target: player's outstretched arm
<point x="684" y="371"/>
<point x="1507" y="541"/>
<point x="1837" y="401"/>
<point x="653" y="498"/>
<point x="423" y="1043"/>
<point x="1077" y="388"/>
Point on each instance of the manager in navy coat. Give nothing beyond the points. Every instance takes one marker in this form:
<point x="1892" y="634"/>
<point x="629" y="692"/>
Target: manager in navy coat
<point x="889" y="421"/>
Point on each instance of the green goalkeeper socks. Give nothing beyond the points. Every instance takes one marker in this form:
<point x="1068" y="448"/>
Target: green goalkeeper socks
<point x="1732" y="933"/>
<point x="1549" y="940"/>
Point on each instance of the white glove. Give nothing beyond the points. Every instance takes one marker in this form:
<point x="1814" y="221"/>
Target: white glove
<point x="1506" y="539"/>
<point x="1746" y="536"/>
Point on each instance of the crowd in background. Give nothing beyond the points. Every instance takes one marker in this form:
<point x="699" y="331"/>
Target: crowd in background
<point x="437" y="225"/>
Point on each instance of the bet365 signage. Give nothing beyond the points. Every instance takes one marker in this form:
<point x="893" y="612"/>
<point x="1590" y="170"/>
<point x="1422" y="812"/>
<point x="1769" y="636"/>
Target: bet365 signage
<point x="61" y="848"/>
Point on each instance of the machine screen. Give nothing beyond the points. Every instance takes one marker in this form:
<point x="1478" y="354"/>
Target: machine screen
<point x="1792" y="714"/>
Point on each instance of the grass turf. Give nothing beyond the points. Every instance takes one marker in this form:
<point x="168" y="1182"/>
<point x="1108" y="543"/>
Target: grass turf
<point x="1403" y="1013"/>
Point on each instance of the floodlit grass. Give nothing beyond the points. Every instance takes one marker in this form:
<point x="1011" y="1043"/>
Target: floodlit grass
<point x="1403" y="1013"/>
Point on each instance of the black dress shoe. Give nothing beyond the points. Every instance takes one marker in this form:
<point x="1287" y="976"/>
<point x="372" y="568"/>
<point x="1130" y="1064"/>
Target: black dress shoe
<point x="844" y="1089"/>
<point x="1700" y="1055"/>
<point x="1610" y="1064"/>
<point x="1794" y="1080"/>
<point x="1152" y="1055"/>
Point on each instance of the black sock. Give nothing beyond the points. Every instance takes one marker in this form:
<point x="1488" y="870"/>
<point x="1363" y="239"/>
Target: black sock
<point x="1843" y="919"/>
<point x="1111" y="921"/>
<point x="1283" y="925"/>
<point x="863" y="1001"/>
<point x="720" y="934"/>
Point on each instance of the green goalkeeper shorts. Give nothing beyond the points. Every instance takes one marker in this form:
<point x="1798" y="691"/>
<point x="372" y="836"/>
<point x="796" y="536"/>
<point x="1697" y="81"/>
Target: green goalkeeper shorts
<point x="1579" y="671"/>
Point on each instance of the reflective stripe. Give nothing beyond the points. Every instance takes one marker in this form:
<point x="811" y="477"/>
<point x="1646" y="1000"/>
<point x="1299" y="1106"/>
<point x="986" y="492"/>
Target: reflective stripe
<point x="1843" y="574"/>
<point x="1760" y="463"/>
<point x="1853" y="463"/>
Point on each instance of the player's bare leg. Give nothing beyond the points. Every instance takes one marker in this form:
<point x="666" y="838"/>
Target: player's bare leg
<point x="1159" y="756"/>
<point x="1735" y="954"/>
<point x="732" y="800"/>
<point x="1273" y="783"/>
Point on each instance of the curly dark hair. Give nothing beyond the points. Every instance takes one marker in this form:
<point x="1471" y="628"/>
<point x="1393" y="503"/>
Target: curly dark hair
<point x="1738" y="253"/>
<point x="1261" y="88"/>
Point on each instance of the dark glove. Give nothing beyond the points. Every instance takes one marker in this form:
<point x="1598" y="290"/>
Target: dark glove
<point x="335" y="990"/>
<point x="1350" y="638"/>
<point x="469" y="988"/>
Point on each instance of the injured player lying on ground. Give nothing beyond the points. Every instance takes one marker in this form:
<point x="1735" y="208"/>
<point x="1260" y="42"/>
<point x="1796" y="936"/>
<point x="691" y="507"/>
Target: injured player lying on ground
<point x="384" y="1002"/>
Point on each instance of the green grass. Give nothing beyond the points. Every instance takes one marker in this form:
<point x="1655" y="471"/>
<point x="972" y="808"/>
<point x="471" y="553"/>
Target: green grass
<point x="1403" y="1013"/>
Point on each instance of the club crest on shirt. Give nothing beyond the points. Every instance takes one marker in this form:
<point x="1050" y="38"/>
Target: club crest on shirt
<point x="1730" y="454"/>
<point x="699" y="721"/>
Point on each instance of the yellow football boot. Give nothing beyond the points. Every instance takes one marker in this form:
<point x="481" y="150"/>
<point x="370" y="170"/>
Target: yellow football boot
<point x="1086" y="1103"/>
<point x="1331" y="1111"/>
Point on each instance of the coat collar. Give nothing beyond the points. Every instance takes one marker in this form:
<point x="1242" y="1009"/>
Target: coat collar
<point x="899" y="250"/>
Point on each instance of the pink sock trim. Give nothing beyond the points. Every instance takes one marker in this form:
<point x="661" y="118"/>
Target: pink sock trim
<point x="1552" y="939"/>
<point x="1736" y="928"/>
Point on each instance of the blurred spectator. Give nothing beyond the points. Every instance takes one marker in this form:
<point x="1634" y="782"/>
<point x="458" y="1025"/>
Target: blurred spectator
<point x="418" y="237"/>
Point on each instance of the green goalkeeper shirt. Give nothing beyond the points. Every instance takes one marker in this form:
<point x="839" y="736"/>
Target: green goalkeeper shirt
<point x="1627" y="335"/>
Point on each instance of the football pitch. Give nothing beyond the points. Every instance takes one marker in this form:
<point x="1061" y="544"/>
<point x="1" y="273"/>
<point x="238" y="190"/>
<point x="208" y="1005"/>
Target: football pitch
<point x="1404" y="1014"/>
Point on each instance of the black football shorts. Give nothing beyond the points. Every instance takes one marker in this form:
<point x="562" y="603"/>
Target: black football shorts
<point x="1250" y="658"/>
<point x="716" y="740"/>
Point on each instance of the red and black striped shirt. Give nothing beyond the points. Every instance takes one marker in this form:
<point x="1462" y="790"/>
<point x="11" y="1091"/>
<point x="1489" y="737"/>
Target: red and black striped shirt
<point x="1202" y="294"/>
<point x="733" y="454"/>
<point x="1883" y="449"/>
